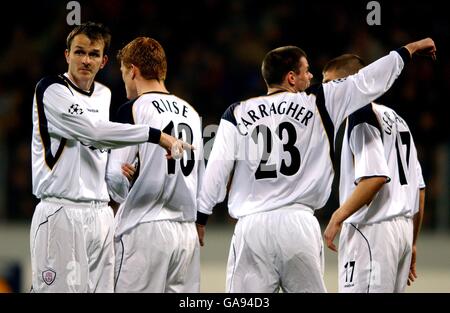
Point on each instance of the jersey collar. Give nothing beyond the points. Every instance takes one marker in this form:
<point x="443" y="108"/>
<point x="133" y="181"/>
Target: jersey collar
<point x="276" y="91"/>
<point x="160" y="92"/>
<point x="84" y="92"/>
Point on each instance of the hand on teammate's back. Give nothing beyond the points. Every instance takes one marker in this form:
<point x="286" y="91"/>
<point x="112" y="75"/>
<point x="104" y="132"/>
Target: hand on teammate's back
<point x="128" y="171"/>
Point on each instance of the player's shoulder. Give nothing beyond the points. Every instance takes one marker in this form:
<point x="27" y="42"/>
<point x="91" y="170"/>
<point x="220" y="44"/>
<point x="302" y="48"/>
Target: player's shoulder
<point x="316" y="92"/>
<point x="50" y="80"/>
<point x="124" y="113"/>
<point x="314" y="89"/>
<point x="229" y="114"/>
<point x="187" y="104"/>
<point x="142" y="101"/>
<point x="381" y="108"/>
<point x="389" y="111"/>
<point x="364" y="115"/>
<point x="234" y="109"/>
<point x="100" y="88"/>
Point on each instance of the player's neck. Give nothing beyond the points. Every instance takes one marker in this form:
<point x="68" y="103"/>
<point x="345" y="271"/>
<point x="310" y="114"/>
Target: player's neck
<point x="144" y="86"/>
<point x="80" y="83"/>
<point x="277" y="88"/>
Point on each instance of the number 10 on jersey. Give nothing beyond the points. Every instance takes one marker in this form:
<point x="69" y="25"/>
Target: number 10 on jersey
<point x="187" y="164"/>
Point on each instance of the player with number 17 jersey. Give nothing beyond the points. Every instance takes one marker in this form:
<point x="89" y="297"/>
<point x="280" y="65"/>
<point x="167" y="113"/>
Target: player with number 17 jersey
<point x="399" y="163"/>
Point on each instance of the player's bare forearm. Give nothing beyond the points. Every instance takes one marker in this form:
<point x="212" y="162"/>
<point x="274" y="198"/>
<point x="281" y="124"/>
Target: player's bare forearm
<point x="419" y="215"/>
<point x="330" y="233"/>
<point x="425" y="47"/>
<point x="412" y="269"/>
<point x="417" y="222"/>
<point x="363" y="194"/>
<point x="201" y="233"/>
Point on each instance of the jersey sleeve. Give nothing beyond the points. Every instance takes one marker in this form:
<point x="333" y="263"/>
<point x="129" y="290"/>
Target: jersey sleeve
<point x="367" y="148"/>
<point x="420" y="176"/>
<point x="346" y="95"/>
<point x="71" y="120"/>
<point x="118" y="184"/>
<point x="218" y="169"/>
<point x="414" y="158"/>
<point x="200" y="173"/>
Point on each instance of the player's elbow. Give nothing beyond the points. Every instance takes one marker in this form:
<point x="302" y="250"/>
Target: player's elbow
<point x="378" y="182"/>
<point x="375" y="183"/>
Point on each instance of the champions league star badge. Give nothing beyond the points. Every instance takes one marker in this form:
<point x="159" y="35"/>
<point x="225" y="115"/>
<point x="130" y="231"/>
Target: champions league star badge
<point x="49" y="276"/>
<point x="75" y="109"/>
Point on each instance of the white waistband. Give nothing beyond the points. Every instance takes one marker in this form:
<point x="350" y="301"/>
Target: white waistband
<point x="85" y="204"/>
<point x="297" y="206"/>
<point x="289" y="207"/>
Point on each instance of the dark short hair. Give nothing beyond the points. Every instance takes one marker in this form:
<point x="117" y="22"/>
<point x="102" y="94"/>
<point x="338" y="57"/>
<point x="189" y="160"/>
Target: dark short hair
<point x="148" y="55"/>
<point x="346" y="64"/>
<point x="280" y="61"/>
<point x="94" y="31"/>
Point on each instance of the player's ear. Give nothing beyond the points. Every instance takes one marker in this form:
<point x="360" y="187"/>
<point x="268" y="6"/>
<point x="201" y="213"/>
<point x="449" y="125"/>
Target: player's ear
<point x="66" y="54"/>
<point x="104" y="61"/>
<point x="290" y="77"/>
<point x="134" y="71"/>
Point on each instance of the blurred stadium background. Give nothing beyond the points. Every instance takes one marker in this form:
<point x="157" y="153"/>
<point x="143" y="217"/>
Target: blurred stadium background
<point x="214" y="50"/>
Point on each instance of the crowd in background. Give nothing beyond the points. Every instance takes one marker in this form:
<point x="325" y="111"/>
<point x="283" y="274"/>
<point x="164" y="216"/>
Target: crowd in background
<point x="214" y="51"/>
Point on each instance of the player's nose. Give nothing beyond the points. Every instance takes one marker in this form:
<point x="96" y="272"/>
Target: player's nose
<point x="85" y="59"/>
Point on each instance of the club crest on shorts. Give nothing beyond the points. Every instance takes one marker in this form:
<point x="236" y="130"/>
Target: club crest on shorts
<point x="49" y="276"/>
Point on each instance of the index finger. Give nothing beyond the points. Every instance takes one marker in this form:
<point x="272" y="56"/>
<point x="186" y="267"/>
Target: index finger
<point x="187" y="146"/>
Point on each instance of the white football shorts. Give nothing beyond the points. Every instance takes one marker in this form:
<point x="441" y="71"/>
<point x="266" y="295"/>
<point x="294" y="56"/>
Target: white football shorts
<point x="159" y="256"/>
<point x="282" y="248"/>
<point x="72" y="247"/>
<point x="375" y="257"/>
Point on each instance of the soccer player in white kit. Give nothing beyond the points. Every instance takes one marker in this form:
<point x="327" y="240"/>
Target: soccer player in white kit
<point x="381" y="192"/>
<point x="71" y="238"/>
<point x="156" y="242"/>
<point x="280" y="145"/>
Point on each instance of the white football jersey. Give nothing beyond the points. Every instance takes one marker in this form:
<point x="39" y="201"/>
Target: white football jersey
<point x="378" y="142"/>
<point x="162" y="189"/>
<point x="281" y="145"/>
<point x="71" y="133"/>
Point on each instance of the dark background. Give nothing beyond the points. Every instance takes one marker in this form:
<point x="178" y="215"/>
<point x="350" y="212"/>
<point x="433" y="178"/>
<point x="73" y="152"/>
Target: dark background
<point x="214" y="51"/>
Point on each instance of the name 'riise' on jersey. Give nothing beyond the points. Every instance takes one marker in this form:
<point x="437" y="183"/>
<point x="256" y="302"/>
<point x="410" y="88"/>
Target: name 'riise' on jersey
<point x="163" y="189"/>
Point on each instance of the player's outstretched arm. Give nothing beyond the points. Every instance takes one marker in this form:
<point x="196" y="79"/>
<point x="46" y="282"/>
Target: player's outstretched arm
<point x="347" y="95"/>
